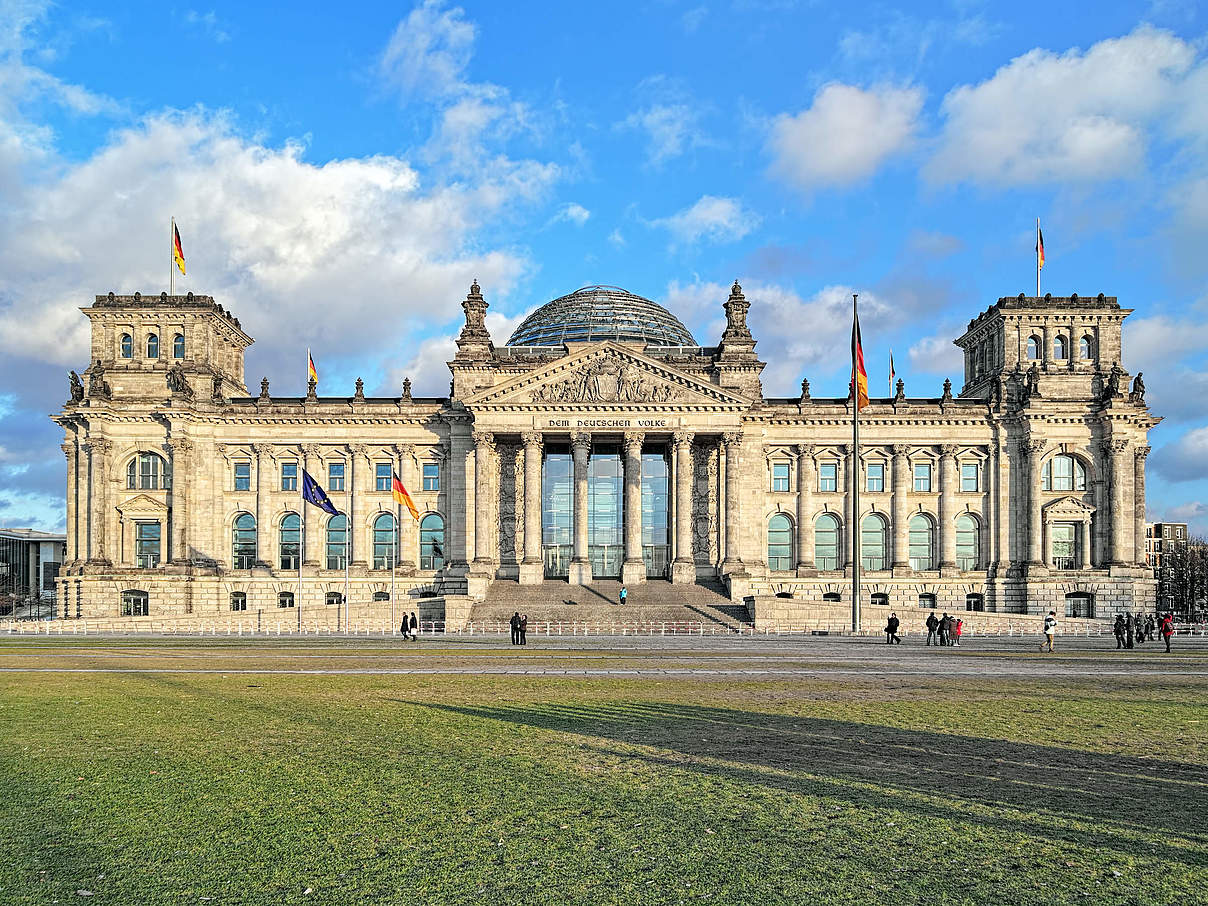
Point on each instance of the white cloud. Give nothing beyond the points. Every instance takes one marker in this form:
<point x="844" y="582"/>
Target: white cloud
<point x="429" y="51"/>
<point x="693" y="18"/>
<point x="712" y="219"/>
<point x="1185" y="458"/>
<point x="1076" y="116"/>
<point x="844" y="136"/>
<point x="209" y="24"/>
<point x="670" y="119"/>
<point x="938" y="355"/>
<point x="617" y="238"/>
<point x="572" y="212"/>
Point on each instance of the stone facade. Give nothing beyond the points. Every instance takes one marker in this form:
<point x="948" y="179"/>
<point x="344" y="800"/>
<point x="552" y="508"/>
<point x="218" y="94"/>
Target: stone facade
<point x="1023" y="492"/>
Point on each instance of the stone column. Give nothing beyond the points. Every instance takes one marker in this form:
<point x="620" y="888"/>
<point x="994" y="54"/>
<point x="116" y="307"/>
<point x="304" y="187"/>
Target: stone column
<point x="484" y="447"/>
<point x="580" y="565"/>
<point x="1139" y="455"/>
<point x="947" y="507"/>
<point x="98" y="449"/>
<point x="263" y="455"/>
<point x="732" y="563"/>
<point x="633" y="569"/>
<point x="683" y="567"/>
<point x="849" y="508"/>
<point x="1084" y="529"/>
<point x="805" y="506"/>
<point x="457" y="529"/>
<point x="73" y="541"/>
<point x="180" y="450"/>
<point x="1034" y="451"/>
<point x="532" y="570"/>
<point x="1122" y="515"/>
<point x="901" y="511"/>
<point x="314" y="520"/>
<point x="358" y="466"/>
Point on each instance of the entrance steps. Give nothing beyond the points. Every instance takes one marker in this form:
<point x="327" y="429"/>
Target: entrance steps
<point x="655" y="601"/>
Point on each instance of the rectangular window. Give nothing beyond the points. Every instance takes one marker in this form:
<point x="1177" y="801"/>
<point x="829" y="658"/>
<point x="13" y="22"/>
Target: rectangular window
<point x="243" y="476"/>
<point x="146" y="545"/>
<point x="335" y="476"/>
<point x="969" y="476"/>
<point x="780" y="476"/>
<point x="875" y="473"/>
<point x="431" y="476"/>
<point x="289" y="476"/>
<point x="382" y="475"/>
<point x="1064" y="537"/>
<point x="828" y="476"/>
<point x="922" y="476"/>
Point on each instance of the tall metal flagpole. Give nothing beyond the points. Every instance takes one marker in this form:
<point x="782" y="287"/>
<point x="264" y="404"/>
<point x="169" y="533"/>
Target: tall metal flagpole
<point x="1037" y="257"/>
<point x="854" y="475"/>
<point x="393" y="559"/>
<point x="301" y="542"/>
<point x="172" y="258"/>
<point x="347" y="539"/>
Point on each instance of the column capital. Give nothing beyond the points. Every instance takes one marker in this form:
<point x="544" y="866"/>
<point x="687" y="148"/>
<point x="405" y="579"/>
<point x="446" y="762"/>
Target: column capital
<point x="404" y="449"/>
<point x="358" y="449"/>
<point x="311" y="450"/>
<point x="1141" y="452"/>
<point x="580" y="440"/>
<point x="948" y="451"/>
<point x="1034" y="448"/>
<point x="483" y="440"/>
<point x="804" y="450"/>
<point x="533" y="438"/>
<point x="98" y="445"/>
<point x="262" y="449"/>
<point x="731" y="438"/>
<point x="68" y="449"/>
<point x="634" y="439"/>
<point x="180" y="446"/>
<point x="681" y="437"/>
<point x="900" y="449"/>
<point x="1115" y="446"/>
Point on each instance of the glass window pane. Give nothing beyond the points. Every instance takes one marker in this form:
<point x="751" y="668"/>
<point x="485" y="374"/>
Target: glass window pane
<point x="337" y="542"/>
<point x="291" y="541"/>
<point x="385" y="542"/>
<point x="826" y="542"/>
<point x="872" y="543"/>
<point x="243" y="476"/>
<point x="921" y="546"/>
<point x="827" y="476"/>
<point x="967" y="542"/>
<point x="243" y="547"/>
<point x="968" y="476"/>
<point x="289" y="476"/>
<point x="875" y="476"/>
<point x="147" y="545"/>
<point x="178" y="346"/>
<point x="780" y="476"/>
<point x="383" y="473"/>
<point x="335" y="476"/>
<point x="431" y="476"/>
<point x="922" y="476"/>
<point x="780" y="543"/>
<point x="432" y="542"/>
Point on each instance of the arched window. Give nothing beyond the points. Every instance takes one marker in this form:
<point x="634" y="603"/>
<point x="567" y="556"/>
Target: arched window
<point x="135" y="603"/>
<point x="153" y="346"/>
<point x="432" y="542"/>
<point x="1059" y="347"/>
<point x="239" y="600"/>
<point x="974" y="601"/>
<point x="780" y="543"/>
<point x="243" y="542"/>
<point x="922" y="542"/>
<point x="1033" y="347"/>
<point x="127" y="346"/>
<point x="1086" y="348"/>
<point x="291" y="541"/>
<point x="1063" y="473"/>
<point x="968" y="554"/>
<point x="337" y="542"/>
<point x="826" y="542"/>
<point x="178" y="346"/>
<point x="285" y="599"/>
<point x="385" y="542"/>
<point x="872" y="542"/>
<point x="147" y="472"/>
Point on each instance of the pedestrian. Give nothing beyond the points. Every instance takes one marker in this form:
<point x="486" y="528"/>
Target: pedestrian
<point x="891" y="630"/>
<point x="1151" y="627"/>
<point x="1050" y="629"/>
<point x="515" y="623"/>
<point x="1167" y="630"/>
<point x="957" y="628"/>
<point x="1128" y="630"/>
<point x="933" y="624"/>
<point x="524" y="629"/>
<point x="1118" y="629"/>
<point x="403" y="627"/>
<point x="945" y="629"/>
<point x="1139" y="628"/>
<point x="624" y="594"/>
<point x="414" y="627"/>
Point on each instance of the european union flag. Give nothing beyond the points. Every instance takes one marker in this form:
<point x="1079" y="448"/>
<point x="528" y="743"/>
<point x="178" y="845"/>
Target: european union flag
<point x="312" y="493"/>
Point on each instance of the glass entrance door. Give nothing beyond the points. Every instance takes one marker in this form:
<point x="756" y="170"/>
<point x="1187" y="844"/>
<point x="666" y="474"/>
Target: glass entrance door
<point x="656" y="541"/>
<point x="556" y="510"/>
<point x="605" y="506"/>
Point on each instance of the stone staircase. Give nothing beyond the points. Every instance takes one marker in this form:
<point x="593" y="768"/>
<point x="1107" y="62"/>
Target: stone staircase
<point x="655" y="601"/>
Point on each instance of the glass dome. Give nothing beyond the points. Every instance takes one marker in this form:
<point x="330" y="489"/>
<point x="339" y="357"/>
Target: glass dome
<point x="601" y="313"/>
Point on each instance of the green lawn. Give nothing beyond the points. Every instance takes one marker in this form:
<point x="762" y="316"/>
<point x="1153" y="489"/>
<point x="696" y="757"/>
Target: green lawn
<point x="183" y="788"/>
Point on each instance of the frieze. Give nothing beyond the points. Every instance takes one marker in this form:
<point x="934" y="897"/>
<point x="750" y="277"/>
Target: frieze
<point x="605" y="380"/>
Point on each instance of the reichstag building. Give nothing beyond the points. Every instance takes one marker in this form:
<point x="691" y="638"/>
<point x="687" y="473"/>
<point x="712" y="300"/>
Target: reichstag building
<point x="604" y="442"/>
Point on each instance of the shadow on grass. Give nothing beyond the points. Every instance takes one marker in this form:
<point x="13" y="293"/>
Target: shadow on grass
<point x="1115" y="799"/>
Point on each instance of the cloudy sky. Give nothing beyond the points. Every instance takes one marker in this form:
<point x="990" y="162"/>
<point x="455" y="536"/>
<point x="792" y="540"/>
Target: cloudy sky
<point x="342" y="173"/>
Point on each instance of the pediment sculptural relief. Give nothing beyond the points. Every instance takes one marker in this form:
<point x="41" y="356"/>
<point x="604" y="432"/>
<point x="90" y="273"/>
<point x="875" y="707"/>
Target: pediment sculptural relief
<point x="606" y="380"/>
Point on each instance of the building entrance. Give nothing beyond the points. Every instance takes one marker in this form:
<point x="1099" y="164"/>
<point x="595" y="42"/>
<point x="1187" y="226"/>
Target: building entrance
<point x="656" y="540"/>
<point x="605" y="512"/>
<point x="557" y="502"/>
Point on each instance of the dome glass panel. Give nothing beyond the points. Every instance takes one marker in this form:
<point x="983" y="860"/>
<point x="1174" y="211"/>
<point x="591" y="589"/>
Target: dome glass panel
<point x="601" y="313"/>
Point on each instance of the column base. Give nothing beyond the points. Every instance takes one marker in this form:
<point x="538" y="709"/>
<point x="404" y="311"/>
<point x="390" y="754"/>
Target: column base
<point x="580" y="572"/>
<point x="633" y="572"/>
<point x="531" y="573"/>
<point x="733" y="566"/>
<point x="806" y="570"/>
<point x="738" y="586"/>
<point x="683" y="572"/>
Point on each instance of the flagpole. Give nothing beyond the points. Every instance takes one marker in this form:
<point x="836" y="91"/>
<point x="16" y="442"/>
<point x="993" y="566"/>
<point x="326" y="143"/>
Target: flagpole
<point x="301" y="537"/>
<point x="1037" y="257"/>
<point x="393" y="559"/>
<point x="347" y="539"/>
<point x="854" y="478"/>
<point x="172" y="258"/>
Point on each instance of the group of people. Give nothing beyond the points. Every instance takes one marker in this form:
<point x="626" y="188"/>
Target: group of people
<point x="519" y="628"/>
<point x="410" y="627"/>
<point x="943" y="630"/>
<point x="1133" y="629"/>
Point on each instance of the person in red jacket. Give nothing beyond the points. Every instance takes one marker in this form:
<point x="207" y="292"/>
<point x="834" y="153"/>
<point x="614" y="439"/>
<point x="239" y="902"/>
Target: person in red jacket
<point x="1167" y="629"/>
<point x="957" y="628"/>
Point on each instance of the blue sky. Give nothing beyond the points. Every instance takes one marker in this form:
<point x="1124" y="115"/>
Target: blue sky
<point x="341" y="174"/>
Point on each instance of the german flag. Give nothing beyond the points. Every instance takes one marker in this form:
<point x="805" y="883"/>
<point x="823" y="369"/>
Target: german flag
<point x="401" y="495"/>
<point x="859" y="375"/>
<point x="178" y="253"/>
<point x="311" y="374"/>
<point x="1039" y="248"/>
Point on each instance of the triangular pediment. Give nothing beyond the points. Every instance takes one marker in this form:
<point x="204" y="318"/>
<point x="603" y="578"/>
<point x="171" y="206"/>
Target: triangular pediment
<point x="1067" y="508"/>
<point x="607" y="375"/>
<point x="142" y="505"/>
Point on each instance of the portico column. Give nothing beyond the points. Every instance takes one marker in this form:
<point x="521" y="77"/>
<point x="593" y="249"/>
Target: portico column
<point x="263" y="454"/>
<point x="1084" y="528"/>
<point x="633" y="569"/>
<point x="1121" y="517"/>
<point x="358" y="461"/>
<point x="312" y="517"/>
<point x="901" y="487"/>
<point x="732" y="441"/>
<point x="580" y="566"/>
<point x="73" y="541"/>
<point x="1139" y="455"/>
<point x="484" y="446"/>
<point x="531" y="568"/>
<point x="947" y="507"/>
<point x="683" y="568"/>
<point x="805" y="506"/>
<point x="1034" y="450"/>
<point x="180" y="450"/>
<point x="97" y="449"/>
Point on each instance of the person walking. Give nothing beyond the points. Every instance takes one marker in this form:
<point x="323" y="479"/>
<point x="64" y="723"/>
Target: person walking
<point x="524" y="629"/>
<point x="891" y="630"/>
<point x="1151" y="627"/>
<point x="515" y="624"/>
<point x="1167" y="630"/>
<point x="957" y="628"/>
<point x="1050" y="629"/>
<point x="945" y="629"/>
<point x="624" y="595"/>
<point x="402" y="628"/>
<point x="1128" y="630"/>
<point x="1139" y="628"/>
<point x="933" y="625"/>
<point x="1118" y="629"/>
<point x="414" y="627"/>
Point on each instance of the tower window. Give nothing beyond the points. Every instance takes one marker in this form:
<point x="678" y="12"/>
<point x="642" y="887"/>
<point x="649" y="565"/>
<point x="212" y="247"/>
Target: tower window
<point x="178" y="346"/>
<point x="127" y="346"/>
<point x="1033" y="347"/>
<point x="1059" y="348"/>
<point x="1086" y="348"/>
<point x="153" y="346"/>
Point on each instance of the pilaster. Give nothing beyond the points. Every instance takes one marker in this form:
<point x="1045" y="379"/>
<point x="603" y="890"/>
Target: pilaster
<point x="358" y="465"/>
<point x="313" y="520"/>
<point x="805" y="505"/>
<point x="947" y="508"/>
<point x="901" y="507"/>
<point x="98" y="449"/>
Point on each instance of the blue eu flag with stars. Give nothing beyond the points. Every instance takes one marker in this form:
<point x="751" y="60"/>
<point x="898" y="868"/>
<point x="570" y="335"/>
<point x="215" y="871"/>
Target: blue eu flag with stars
<point x="312" y="493"/>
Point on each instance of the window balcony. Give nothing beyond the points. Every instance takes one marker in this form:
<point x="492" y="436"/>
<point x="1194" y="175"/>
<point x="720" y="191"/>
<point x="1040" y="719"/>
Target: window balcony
<point x="1064" y="563"/>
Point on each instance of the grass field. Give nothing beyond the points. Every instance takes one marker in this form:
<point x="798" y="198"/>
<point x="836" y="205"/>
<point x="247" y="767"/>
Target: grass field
<point x="176" y="787"/>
